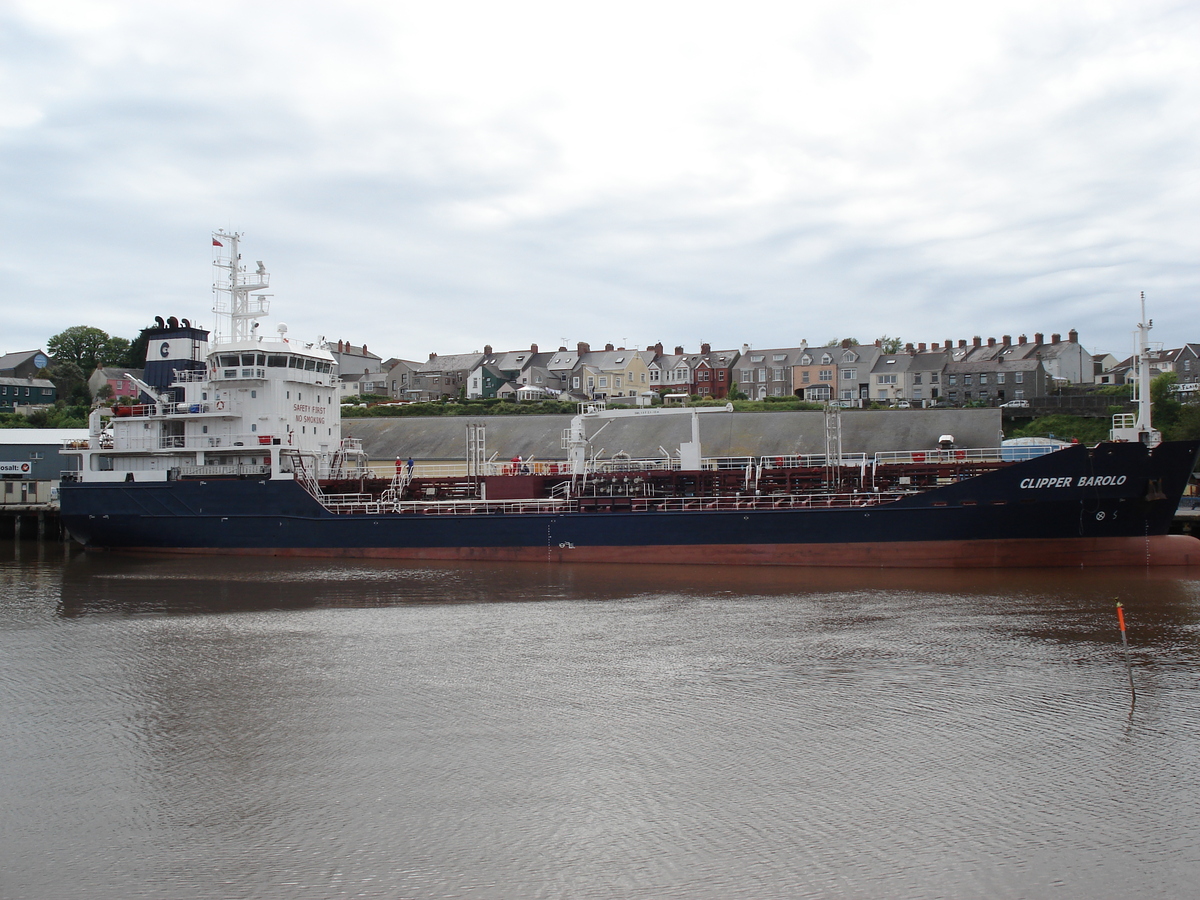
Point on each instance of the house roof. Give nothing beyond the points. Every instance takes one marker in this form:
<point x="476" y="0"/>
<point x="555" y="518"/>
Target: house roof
<point x="118" y="373"/>
<point x="26" y="382"/>
<point x="453" y="363"/>
<point x="12" y="360"/>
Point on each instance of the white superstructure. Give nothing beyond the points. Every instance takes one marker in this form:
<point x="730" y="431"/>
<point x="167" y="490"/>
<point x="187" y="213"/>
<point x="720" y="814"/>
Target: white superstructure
<point x="264" y="406"/>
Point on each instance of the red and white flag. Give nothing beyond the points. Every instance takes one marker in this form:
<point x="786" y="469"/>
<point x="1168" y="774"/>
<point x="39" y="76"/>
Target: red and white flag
<point x="217" y="243"/>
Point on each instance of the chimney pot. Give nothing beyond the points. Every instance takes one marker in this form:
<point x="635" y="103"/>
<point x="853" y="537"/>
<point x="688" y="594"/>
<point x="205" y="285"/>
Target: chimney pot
<point x="908" y="348"/>
<point x="962" y="342"/>
<point x="845" y="343"/>
<point x="1038" y="337"/>
<point x="879" y="343"/>
<point x="1021" y="340"/>
<point x="977" y="341"/>
<point x="679" y="351"/>
<point x="609" y="348"/>
<point x="1055" y="338"/>
<point x="582" y="347"/>
<point x="1073" y="336"/>
<point x="533" y="348"/>
<point x="706" y="348"/>
<point x="487" y="349"/>
<point x="921" y="347"/>
<point x="1007" y="339"/>
<point x="935" y="346"/>
<point x="991" y="342"/>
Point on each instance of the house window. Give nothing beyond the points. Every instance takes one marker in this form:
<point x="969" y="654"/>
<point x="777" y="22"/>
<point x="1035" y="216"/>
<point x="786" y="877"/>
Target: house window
<point x="916" y="394"/>
<point x="999" y="378"/>
<point x="966" y="381"/>
<point x="933" y="377"/>
<point x="720" y="376"/>
<point x="885" y="379"/>
<point x="821" y="392"/>
<point x="849" y="374"/>
<point x="1019" y="395"/>
<point x="983" y="377"/>
<point x="777" y="374"/>
<point x="804" y="376"/>
<point x="826" y="375"/>
<point x="953" y="379"/>
<point x="575" y="382"/>
<point x="762" y="375"/>
<point x="916" y="378"/>
<point x="848" y="395"/>
<point x="882" y="395"/>
<point x="616" y="381"/>
<point x="1018" y="377"/>
<point x="603" y="381"/>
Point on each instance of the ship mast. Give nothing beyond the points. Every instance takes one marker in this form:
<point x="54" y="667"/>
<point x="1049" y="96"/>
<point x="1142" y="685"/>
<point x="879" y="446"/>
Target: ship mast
<point x="234" y="289"/>
<point x="1139" y="428"/>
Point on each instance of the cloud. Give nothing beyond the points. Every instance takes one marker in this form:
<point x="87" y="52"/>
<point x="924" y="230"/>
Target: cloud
<point x="441" y="176"/>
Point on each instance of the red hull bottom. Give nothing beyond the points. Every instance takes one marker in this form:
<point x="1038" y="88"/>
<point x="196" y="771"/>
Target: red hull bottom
<point x="1157" y="550"/>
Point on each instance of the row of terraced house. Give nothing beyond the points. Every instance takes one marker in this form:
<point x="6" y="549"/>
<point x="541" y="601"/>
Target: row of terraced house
<point x="991" y="371"/>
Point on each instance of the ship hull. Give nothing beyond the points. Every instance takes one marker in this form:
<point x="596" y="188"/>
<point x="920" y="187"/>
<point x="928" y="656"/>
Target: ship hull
<point x="1105" y="506"/>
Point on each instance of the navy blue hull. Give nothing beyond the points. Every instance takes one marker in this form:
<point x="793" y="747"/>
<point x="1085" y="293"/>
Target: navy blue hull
<point x="1105" y="502"/>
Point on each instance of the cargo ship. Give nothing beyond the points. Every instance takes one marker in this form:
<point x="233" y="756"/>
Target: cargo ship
<point x="238" y="449"/>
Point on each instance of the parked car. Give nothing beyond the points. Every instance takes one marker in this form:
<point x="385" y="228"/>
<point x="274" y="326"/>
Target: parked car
<point x="1015" y="404"/>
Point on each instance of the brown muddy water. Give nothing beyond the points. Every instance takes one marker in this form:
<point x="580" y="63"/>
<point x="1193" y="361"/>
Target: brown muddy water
<point x="227" y="728"/>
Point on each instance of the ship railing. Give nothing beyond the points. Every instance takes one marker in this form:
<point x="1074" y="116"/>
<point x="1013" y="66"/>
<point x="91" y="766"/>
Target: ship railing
<point x="910" y="457"/>
<point x="345" y="503"/>
<point x="810" y="461"/>
<point x="213" y="471"/>
<point x="727" y="462"/>
<point x="367" y="504"/>
<point x="190" y="376"/>
<point x="240" y="441"/>
<point x="618" y="464"/>
<point x="847" y="500"/>
<point x="158" y="410"/>
<point x="236" y="374"/>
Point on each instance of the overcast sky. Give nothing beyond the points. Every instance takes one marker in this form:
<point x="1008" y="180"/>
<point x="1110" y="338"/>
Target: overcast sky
<point x="439" y="176"/>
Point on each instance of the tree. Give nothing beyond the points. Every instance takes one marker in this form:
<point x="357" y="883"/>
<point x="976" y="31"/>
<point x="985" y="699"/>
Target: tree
<point x="87" y="347"/>
<point x="838" y="342"/>
<point x="890" y="344"/>
<point x="69" y="381"/>
<point x="1165" y="407"/>
<point x="135" y="355"/>
<point x="1187" y="428"/>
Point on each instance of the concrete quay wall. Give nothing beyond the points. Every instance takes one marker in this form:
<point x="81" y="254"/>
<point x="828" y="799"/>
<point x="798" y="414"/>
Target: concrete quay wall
<point x="722" y="434"/>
